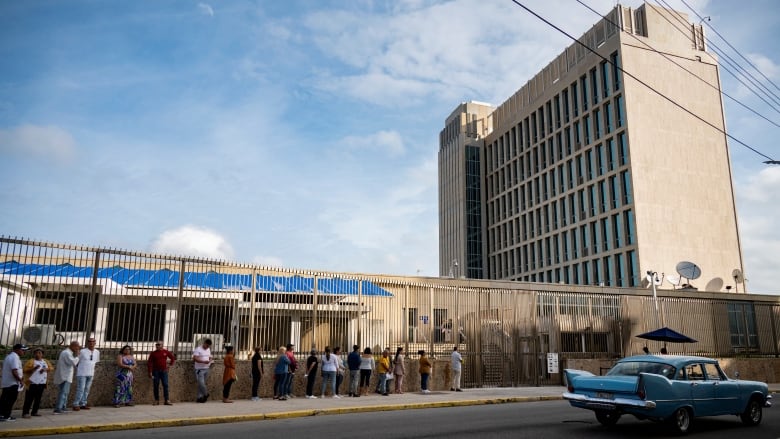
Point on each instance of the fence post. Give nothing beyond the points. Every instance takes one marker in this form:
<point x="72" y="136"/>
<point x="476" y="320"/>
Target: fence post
<point x="180" y="294"/>
<point x="90" y="324"/>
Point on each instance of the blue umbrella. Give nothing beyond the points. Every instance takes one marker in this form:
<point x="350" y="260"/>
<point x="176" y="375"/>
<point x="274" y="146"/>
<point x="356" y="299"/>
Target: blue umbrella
<point x="666" y="335"/>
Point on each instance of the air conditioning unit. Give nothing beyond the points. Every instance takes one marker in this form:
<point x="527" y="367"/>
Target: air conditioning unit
<point x="217" y="341"/>
<point x="39" y="334"/>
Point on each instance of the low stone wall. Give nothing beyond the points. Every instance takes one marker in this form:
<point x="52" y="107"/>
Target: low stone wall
<point x="183" y="385"/>
<point x="754" y="369"/>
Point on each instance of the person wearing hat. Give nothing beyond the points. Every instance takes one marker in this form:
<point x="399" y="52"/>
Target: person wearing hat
<point x="11" y="382"/>
<point x="36" y="374"/>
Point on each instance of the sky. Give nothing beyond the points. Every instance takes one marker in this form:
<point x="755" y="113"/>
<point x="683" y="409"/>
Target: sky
<point x="302" y="133"/>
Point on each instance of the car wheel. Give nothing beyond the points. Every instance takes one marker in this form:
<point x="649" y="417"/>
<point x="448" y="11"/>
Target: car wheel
<point x="753" y="412"/>
<point x="681" y="420"/>
<point x="607" y="419"/>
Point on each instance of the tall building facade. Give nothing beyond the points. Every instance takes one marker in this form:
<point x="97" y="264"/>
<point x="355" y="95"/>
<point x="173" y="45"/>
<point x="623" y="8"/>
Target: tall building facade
<point x="592" y="173"/>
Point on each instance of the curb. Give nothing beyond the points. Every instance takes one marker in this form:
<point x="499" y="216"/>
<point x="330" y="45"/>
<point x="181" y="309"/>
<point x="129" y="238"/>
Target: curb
<point x="182" y="422"/>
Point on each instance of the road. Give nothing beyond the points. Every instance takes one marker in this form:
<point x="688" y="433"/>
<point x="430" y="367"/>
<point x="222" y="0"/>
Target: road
<point x="550" y="419"/>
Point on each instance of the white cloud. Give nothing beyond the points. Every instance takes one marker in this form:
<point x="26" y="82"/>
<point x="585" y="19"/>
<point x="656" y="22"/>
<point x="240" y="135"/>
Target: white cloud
<point x="193" y="241"/>
<point x="268" y="261"/>
<point x="759" y="207"/>
<point x="206" y="9"/>
<point x="387" y="142"/>
<point x="39" y="142"/>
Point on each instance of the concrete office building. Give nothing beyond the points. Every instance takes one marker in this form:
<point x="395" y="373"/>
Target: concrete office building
<point x="594" y="175"/>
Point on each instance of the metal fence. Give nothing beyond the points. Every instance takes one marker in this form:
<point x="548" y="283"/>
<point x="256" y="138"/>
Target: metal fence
<point x="51" y="294"/>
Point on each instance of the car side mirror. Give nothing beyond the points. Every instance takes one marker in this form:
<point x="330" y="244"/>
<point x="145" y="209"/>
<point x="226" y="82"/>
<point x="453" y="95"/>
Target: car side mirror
<point x="736" y="374"/>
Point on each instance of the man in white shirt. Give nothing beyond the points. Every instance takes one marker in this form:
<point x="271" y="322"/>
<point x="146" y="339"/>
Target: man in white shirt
<point x="202" y="358"/>
<point x="11" y="381"/>
<point x="63" y="375"/>
<point x="457" y="362"/>
<point x="84" y="374"/>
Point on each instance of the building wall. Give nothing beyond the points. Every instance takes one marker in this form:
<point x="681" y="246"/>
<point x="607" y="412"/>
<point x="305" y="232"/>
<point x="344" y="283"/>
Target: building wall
<point x="645" y="186"/>
<point x="680" y="166"/>
<point x="464" y="129"/>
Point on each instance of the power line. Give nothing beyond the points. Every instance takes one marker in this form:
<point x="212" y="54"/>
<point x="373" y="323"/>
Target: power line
<point x="732" y="47"/>
<point x="670" y="100"/>
<point x="666" y="57"/>
<point x="726" y="60"/>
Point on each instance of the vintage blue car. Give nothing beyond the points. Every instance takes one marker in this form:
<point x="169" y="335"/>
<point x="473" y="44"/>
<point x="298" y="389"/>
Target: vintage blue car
<point x="668" y="388"/>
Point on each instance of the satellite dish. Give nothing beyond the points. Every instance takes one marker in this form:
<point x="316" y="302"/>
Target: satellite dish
<point x="688" y="270"/>
<point x="672" y="279"/>
<point x="737" y="275"/>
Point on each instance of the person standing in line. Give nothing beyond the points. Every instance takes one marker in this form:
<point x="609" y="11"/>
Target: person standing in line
<point x="426" y="367"/>
<point x="456" y="364"/>
<point x="36" y="374"/>
<point x="229" y="375"/>
<point x="63" y="375"/>
<point x="399" y="370"/>
<point x="339" y="371"/>
<point x="123" y="392"/>
<point x="383" y="368"/>
<point x="288" y="385"/>
<point x="353" y="363"/>
<point x="281" y="370"/>
<point x="158" y="371"/>
<point x="257" y="372"/>
<point x="85" y="372"/>
<point x="367" y="365"/>
<point x="311" y="373"/>
<point x="202" y="359"/>
<point x="11" y="381"/>
<point x="329" y="367"/>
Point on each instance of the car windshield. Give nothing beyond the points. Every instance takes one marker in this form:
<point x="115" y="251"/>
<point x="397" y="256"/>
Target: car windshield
<point x="634" y="368"/>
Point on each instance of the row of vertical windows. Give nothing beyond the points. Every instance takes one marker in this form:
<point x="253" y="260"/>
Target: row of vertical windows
<point x="473" y="215"/>
<point x="601" y="235"/>
<point x="593" y="167"/>
<point x="557" y="112"/>
<point x="613" y="270"/>
<point x="602" y="126"/>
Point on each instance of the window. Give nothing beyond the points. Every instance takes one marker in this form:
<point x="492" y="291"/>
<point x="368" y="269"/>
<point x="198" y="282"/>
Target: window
<point x="594" y="86"/>
<point x="742" y="326"/>
<point x="204" y="319"/>
<point x="713" y="372"/>
<point x="623" y="146"/>
<point x="620" y="111"/>
<point x="609" y="118"/>
<point x="694" y="372"/>
<point x="135" y="322"/>
<point x="67" y="310"/>
<point x="584" y="91"/>
<point x="605" y="79"/>
<point x="616" y="75"/>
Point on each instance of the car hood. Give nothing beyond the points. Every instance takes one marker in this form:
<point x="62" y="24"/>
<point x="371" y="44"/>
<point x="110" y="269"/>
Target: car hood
<point x="615" y="384"/>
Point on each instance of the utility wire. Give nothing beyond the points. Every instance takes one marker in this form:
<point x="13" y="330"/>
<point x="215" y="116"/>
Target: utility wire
<point x="668" y="58"/>
<point x="732" y="47"/>
<point x="726" y="58"/>
<point x="670" y="100"/>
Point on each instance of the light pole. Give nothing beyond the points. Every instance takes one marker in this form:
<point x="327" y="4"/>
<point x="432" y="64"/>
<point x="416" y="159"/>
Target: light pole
<point x="652" y="277"/>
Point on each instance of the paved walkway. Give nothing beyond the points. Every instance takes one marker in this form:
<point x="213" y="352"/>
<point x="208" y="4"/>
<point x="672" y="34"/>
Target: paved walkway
<point x="215" y="411"/>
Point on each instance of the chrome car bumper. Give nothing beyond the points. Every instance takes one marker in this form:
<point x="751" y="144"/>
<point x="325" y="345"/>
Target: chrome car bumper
<point x="768" y="401"/>
<point x="608" y="404"/>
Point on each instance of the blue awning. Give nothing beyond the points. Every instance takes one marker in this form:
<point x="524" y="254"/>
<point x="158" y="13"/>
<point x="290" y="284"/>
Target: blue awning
<point x="209" y="280"/>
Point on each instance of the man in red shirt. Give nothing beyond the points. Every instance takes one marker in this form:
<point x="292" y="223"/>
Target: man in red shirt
<point x="158" y="370"/>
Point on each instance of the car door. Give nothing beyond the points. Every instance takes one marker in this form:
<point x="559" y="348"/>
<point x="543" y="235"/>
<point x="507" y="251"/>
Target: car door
<point x="702" y="391"/>
<point x="726" y="392"/>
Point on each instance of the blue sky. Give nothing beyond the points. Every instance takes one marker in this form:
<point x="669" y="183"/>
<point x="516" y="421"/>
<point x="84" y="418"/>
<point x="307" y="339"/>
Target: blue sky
<point x="298" y="133"/>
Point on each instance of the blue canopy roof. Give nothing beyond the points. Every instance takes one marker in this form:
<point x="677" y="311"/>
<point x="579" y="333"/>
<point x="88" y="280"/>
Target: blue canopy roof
<point x="211" y="280"/>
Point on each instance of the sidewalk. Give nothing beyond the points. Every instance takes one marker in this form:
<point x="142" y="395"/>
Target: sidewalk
<point x="108" y="418"/>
